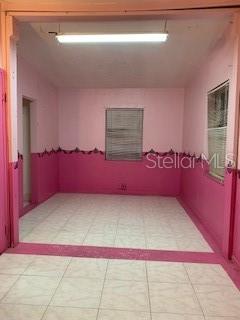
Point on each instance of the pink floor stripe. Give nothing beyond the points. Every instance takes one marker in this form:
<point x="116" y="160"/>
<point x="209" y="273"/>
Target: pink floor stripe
<point x="128" y="254"/>
<point x="114" y="253"/>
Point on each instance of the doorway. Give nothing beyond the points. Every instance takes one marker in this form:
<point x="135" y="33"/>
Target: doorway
<point x="4" y="218"/>
<point x="26" y="120"/>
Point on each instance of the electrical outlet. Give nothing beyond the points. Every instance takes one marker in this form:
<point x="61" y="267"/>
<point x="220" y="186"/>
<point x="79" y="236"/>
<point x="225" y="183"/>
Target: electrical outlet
<point x="123" y="187"/>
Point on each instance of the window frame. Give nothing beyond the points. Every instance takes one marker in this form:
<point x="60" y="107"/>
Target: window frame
<point x="142" y="122"/>
<point x="211" y="173"/>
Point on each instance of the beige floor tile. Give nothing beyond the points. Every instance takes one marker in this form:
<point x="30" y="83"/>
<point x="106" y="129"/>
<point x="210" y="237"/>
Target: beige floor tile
<point x="99" y="239"/>
<point x="161" y="242"/>
<point x="70" y="238"/>
<point x="217" y="300"/>
<point x="126" y="270"/>
<point x="103" y="228"/>
<point x="78" y="292"/>
<point x="166" y="272"/>
<point x="207" y="274"/>
<point x="87" y="268"/>
<point x="48" y="266"/>
<point x="92" y="220"/>
<point x="195" y="244"/>
<point x="32" y="290"/>
<point x="6" y="282"/>
<point x="14" y="263"/>
<point x="44" y="236"/>
<point x="21" y="312"/>
<point x="122" y="315"/>
<point x="169" y="316"/>
<point x="124" y="241"/>
<point x="222" y="318"/>
<point x="173" y="298"/>
<point x="125" y="295"/>
<point x="64" y="313"/>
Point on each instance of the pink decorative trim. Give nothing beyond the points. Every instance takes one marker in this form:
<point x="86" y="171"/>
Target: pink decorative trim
<point x="114" y="253"/>
<point x="95" y="150"/>
<point x="127" y="254"/>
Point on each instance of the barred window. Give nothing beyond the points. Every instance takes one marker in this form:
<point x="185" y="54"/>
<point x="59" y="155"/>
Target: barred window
<point x="124" y="133"/>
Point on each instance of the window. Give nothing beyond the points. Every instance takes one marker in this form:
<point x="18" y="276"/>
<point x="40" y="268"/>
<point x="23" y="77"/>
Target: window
<point x="217" y="129"/>
<point x="124" y="132"/>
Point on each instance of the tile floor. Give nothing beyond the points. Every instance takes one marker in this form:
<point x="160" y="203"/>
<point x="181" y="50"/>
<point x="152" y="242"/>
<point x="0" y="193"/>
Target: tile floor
<point x="60" y="288"/>
<point x="112" y="221"/>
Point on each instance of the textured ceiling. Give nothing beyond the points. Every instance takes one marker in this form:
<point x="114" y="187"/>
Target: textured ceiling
<point x="169" y="64"/>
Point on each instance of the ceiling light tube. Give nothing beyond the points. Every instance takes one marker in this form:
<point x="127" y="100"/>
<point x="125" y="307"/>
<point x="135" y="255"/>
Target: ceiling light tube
<point x="112" y="38"/>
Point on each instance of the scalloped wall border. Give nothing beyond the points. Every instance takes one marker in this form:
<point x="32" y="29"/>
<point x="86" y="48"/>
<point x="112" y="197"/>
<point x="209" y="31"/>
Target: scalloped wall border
<point x="229" y="168"/>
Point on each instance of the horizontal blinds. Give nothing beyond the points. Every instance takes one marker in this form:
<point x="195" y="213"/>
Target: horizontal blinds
<point x="217" y="129"/>
<point x="124" y="133"/>
<point x="217" y="138"/>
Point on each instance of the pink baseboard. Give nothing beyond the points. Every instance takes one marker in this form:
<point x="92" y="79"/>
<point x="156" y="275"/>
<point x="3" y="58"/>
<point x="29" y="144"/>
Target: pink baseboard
<point x="91" y="173"/>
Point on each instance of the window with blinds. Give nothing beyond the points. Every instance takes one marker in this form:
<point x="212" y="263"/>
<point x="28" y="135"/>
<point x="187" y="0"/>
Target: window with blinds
<point x="124" y="133"/>
<point x="217" y="129"/>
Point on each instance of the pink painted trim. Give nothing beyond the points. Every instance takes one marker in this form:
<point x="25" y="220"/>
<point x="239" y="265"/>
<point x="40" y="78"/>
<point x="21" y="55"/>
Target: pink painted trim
<point x="114" y="253"/>
<point x="5" y="222"/>
<point x="128" y="254"/>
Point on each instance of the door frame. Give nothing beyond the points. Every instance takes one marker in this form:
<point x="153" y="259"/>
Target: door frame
<point x="92" y="10"/>
<point x="4" y="164"/>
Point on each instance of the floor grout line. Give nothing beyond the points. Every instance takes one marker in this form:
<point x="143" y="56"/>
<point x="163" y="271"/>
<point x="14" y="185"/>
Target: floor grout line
<point x="61" y="278"/>
<point x="195" y="294"/>
<point x="104" y="281"/>
<point x="149" y="297"/>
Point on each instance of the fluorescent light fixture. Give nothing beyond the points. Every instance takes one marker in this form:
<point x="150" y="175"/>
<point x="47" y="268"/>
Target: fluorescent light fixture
<point x="112" y="38"/>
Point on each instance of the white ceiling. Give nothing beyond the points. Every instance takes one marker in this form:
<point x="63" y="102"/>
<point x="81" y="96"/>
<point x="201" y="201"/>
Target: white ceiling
<point x="169" y="64"/>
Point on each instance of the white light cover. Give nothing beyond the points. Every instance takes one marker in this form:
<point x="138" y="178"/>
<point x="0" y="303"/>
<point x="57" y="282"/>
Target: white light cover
<point x="112" y="38"/>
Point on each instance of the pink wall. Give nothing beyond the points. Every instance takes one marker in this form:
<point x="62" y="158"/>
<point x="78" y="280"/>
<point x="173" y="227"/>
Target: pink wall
<point x="82" y="116"/>
<point x="91" y="173"/>
<point x="44" y="176"/>
<point x="82" y="125"/>
<point x="216" y="69"/>
<point x="236" y="247"/>
<point x="207" y="198"/>
<point x="44" y="109"/>
<point x="44" y="132"/>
